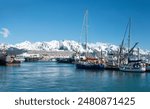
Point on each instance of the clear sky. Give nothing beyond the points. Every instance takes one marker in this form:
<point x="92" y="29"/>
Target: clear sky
<point x="45" y="20"/>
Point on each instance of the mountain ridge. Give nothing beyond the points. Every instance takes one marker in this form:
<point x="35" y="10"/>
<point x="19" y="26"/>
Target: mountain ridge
<point x="70" y="45"/>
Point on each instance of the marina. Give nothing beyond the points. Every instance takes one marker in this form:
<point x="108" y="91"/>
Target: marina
<point x="74" y="54"/>
<point x="49" y="74"/>
<point x="73" y="48"/>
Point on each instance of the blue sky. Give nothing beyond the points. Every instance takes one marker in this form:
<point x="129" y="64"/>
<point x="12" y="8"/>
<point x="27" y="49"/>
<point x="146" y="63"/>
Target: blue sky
<point x="45" y="20"/>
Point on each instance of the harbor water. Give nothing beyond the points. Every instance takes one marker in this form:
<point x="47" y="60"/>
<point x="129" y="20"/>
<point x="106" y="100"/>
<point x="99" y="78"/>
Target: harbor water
<point x="58" y="77"/>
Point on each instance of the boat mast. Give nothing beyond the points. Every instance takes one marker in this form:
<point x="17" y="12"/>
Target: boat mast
<point x="138" y="50"/>
<point x="129" y="40"/>
<point x="4" y="49"/>
<point x="86" y="29"/>
<point x="122" y="45"/>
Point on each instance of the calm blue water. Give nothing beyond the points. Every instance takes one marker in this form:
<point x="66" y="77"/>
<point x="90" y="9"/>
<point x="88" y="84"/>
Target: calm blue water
<point x="52" y="76"/>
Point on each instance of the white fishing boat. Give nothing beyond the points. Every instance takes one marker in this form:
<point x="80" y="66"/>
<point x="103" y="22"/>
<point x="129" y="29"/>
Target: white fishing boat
<point x="128" y="65"/>
<point x="133" y="66"/>
<point x="111" y="62"/>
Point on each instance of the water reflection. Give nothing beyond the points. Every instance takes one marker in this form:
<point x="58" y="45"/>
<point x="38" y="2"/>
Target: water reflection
<point x="51" y="76"/>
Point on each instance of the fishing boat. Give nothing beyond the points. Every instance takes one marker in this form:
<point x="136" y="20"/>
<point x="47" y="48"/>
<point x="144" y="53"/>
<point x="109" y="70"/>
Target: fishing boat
<point x="20" y="58"/>
<point x="88" y="62"/>
<point x="112" y="62"/>
<point x="32" y="59"/>
<point x="66" y="60"/>
<point x="133" y="66"/>
<point x="8" y="60"/>
<point x="128" y="65"/>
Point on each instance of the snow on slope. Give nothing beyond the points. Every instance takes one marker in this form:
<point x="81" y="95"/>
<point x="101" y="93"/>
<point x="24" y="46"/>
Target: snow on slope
<point x="53" y="45"/>
<point x="70" y="45"/>
<point x="65" y="45"/>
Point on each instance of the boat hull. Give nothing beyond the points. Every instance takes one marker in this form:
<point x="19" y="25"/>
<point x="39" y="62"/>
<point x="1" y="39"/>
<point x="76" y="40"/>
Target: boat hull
<point x="29" y="59"/>
<point x="88" y="66"/>
<point x="5" y="63"/>
<point x="66" y="60"/>
<point x="132" y="69"/>
<point x="112" y="68"/>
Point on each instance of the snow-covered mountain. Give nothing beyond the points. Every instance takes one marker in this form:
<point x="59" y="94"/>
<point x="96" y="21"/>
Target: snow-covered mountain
<point x="70" y="45"/>
<point x="55" y="45"/>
